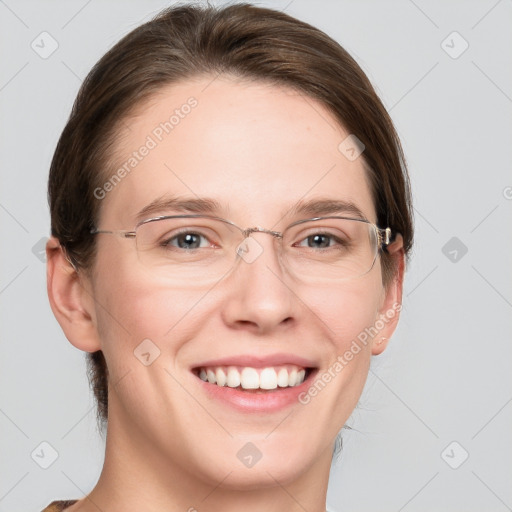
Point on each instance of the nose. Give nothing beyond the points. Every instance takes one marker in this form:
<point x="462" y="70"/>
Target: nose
<point x="259" y="295"/>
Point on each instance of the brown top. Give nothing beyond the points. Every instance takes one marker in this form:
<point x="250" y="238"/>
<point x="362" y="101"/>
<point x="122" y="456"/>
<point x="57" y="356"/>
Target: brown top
<point x="59" y="506"/>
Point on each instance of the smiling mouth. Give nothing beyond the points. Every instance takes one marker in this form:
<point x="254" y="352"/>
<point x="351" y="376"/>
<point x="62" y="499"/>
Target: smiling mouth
<point x="255" y="380"/>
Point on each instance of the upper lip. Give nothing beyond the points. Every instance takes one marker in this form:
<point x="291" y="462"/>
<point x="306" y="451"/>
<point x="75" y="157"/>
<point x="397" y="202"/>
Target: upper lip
<point x="258" y="361"/>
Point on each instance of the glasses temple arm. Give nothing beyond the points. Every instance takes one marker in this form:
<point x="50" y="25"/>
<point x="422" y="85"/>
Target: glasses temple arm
<point x="125" y="234"/>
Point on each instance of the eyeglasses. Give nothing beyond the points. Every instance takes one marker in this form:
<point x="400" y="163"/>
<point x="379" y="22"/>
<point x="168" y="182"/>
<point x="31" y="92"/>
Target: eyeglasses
<point x="198" y="249"/>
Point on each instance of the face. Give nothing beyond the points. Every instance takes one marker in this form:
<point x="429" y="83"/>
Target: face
<point x="257" y="150"/>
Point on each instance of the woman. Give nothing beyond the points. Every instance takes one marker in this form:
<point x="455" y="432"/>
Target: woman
<point x="230" y="221"/>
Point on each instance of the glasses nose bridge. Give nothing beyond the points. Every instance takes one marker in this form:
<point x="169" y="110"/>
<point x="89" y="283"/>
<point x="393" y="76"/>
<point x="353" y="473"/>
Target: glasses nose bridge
<point x="259" y="247"/>
<point x="259" y="229"/>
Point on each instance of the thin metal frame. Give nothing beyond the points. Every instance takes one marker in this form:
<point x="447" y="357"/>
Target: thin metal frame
<point x="383" y="234"/>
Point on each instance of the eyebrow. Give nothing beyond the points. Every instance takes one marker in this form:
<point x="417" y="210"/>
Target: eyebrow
<point x="206" y="205"/>
<point x="322" y="207"/>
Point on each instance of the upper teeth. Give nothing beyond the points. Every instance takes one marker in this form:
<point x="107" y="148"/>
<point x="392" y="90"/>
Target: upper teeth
<point x="254" y="378"/>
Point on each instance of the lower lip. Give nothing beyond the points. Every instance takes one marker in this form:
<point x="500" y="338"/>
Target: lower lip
<point x="254" y="402"/>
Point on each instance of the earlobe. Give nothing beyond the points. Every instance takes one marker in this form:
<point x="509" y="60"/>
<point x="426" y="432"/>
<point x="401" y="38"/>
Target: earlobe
<point x="389" y="312"/>
<point x="71" y="303"/>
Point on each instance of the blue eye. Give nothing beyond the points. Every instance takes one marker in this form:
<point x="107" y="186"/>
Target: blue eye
<point x="186" y="240"/>
<point x="319" y="240"/>
<point x="323" y="241"/>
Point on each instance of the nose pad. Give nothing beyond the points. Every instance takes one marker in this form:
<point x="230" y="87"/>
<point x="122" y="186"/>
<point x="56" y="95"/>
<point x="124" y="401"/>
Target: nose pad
<point x="249" y="249"/>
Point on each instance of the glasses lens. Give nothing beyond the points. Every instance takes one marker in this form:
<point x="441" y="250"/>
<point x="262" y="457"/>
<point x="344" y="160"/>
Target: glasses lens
<point x="330" y="249"/>
<point x="191" y="250"/>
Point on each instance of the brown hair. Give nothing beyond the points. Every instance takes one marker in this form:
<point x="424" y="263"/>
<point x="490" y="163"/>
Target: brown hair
<point x="186" y="41"/>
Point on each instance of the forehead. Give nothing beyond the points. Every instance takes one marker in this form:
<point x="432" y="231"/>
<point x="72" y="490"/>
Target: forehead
<point x="257" y="150"/>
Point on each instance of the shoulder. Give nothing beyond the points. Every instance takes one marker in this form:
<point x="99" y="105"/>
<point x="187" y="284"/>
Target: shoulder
<point x="59" y="506"/>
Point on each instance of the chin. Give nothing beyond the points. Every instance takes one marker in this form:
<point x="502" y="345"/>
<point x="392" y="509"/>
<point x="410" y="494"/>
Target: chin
<point x="256" y="462"/>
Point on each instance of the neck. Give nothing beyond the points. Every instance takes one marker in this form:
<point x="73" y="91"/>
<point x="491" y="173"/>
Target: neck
<point x="137" y="475"/>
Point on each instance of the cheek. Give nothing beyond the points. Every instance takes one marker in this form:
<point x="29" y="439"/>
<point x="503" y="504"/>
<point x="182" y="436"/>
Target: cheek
<point x="132" y="307"/>
<point x="139" y="317"/>
<point x="348" y="309"/>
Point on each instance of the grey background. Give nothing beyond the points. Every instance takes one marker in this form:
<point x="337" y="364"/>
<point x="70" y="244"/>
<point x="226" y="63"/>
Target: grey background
<point x="446" y="375"/>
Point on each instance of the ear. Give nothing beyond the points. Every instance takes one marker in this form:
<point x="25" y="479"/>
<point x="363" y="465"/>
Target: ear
<point x="389" y="312"/>
<point x="70" y="299"/>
